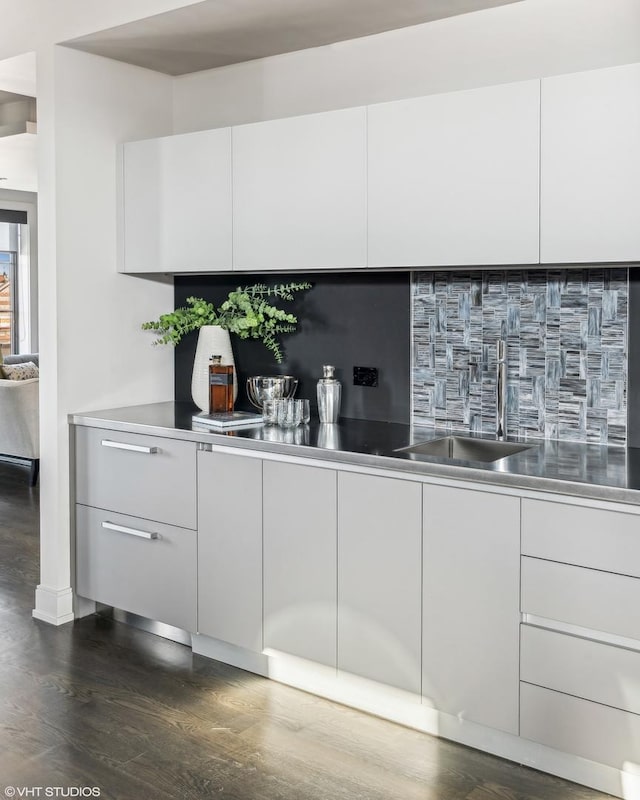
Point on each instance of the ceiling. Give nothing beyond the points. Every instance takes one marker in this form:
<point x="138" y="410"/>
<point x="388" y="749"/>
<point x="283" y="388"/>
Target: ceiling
<point x="216" y="33"/>
<point x="11" y="97"/>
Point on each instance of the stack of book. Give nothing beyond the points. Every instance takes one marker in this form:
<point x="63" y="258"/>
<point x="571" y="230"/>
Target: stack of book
<point x="232" y="419"/>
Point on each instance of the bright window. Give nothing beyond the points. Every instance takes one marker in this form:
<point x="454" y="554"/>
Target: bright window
<point x="8" y="302"/>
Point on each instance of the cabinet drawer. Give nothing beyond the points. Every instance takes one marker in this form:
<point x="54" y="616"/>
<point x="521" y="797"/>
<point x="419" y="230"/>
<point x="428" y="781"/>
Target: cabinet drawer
<point x="581" y="667"/>
<point x="596" y="732"/>
<point x="153" y="577"/>
<point x="144" y="476"/>
<point x="589" y="598"/>
<point x="588" y="537"/>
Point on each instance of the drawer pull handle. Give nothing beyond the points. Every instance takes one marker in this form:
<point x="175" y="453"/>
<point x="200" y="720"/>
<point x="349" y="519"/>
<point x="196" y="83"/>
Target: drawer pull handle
<point x="111" y="526"/>
<point x="137" y="448"/>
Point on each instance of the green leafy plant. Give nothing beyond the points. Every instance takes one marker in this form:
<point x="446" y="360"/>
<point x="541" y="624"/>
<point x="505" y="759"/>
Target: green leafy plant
<point x="248" y="312"/>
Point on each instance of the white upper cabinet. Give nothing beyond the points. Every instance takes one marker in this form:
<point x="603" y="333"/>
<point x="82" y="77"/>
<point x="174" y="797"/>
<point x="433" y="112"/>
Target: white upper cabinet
<point x="522" y="173"/>
<point x="299" y="192"/>
<point x="454" y="178"/>
<point x="590" y="200"/>
<point x="177" y="203"/>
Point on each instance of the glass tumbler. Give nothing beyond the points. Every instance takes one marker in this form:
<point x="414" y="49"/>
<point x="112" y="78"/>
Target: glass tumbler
<point x="306" y="411"/>
<point x="289" y="413"/>
<point x="270" y="412"/>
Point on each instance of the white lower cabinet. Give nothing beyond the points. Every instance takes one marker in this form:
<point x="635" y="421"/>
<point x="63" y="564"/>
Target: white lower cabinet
<point x="412" y="584"/>
<point x="379" y="579"/>
<point x="580" y="651"/>
<point x="588" y="598"/>
<point x="300" y="612"/>
<point x="135" y="537"/>
<point x="599" y="538"/>
<point x="230" y="548"/>
<point x="581" y="696"/>
<point x="593" y="670"/>
<point x="144" y="567"/>
<point x="602" y="734"/>
<point x="470" y="605"/>
<point x="144" y="476"/>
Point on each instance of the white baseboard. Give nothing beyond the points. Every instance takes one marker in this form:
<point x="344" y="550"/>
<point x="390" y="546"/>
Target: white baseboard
<point x="54" y="606"/>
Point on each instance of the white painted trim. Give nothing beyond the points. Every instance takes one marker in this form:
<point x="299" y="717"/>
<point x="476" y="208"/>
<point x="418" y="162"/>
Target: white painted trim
<point x="54" y="606"/>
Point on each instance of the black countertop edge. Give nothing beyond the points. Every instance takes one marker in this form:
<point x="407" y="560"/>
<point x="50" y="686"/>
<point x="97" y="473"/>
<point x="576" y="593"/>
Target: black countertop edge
<point x="588" y="471"/>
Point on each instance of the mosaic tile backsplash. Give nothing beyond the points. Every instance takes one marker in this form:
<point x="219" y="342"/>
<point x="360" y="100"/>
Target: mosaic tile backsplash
<point x="566" y="334"/>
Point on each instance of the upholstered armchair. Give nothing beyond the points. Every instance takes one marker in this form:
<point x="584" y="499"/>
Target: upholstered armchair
<point x="19" y="429"/>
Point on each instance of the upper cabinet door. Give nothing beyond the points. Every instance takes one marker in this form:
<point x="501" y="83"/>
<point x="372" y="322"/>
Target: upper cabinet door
<point x="454" y="178"/>
<point x="177" y="203"/>
<point x="299" y="192"/>
<point x="590" y="197"/>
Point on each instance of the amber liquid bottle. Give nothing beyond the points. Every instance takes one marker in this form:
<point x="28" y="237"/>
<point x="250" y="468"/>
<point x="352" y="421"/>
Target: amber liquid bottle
<point x="220" y="386"/>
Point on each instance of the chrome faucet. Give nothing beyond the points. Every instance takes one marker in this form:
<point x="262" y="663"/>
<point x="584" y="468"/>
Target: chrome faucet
<point x="501" y="389"/>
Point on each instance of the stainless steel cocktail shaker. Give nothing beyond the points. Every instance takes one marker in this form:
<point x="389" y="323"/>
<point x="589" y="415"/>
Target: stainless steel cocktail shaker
<point x="329" y="395"/>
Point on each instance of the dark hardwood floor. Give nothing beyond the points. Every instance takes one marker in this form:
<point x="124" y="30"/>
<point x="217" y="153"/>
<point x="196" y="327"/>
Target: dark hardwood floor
<point x="100" y="704"/>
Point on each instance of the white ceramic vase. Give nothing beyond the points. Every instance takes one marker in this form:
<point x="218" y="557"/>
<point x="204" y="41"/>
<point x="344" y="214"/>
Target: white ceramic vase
<point x="212" y="340"/>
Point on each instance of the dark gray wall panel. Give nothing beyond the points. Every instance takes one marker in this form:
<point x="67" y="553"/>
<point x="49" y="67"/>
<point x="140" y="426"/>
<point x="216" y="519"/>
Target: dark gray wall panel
<point x="350" y="319"/>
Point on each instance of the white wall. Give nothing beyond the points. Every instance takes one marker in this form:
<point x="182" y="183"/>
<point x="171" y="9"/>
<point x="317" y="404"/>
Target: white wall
<point x="79" y="298"/>
<point x="93" y="354"/>
<point x="530" y="39"/>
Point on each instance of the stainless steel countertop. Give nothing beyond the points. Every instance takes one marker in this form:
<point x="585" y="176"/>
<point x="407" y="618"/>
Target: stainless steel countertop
<point x="567" y="468"/>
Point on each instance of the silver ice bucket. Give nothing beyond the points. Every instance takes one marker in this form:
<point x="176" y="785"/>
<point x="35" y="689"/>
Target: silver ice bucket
<point x="261" y="388"/>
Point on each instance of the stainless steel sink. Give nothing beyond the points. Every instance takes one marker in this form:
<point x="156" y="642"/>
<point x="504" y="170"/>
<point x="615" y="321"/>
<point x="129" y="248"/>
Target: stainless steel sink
<point x="465" y="449"/>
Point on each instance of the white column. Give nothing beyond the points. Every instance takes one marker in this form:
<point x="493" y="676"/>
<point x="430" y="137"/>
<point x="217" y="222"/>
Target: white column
<point x="93" y="353"/>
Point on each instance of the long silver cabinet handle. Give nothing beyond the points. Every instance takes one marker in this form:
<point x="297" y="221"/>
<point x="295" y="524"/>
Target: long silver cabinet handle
<point x="137" y="448"/>
<point x="111" y="526"/>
